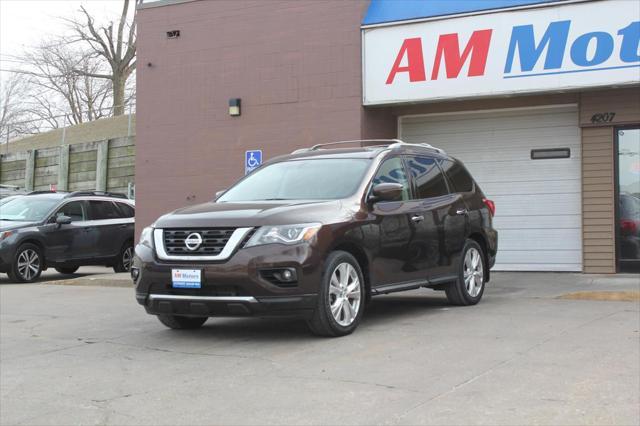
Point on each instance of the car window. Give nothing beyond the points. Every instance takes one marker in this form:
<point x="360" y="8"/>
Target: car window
<point x="392" y="171"/>
<point x="458" y="175"/>
<point x="28" y="208"/>
<point x="428" y="177"/>
<point x="101" y="210"/>
<point x="125" y="210"/>
<point x="312" y="179"/>
<point x="75" y="210"/>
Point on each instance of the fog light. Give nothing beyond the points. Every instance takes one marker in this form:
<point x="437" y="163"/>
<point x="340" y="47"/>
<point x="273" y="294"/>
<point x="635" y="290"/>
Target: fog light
<point x="135" y="273"/>
<point x="284" y="277"/>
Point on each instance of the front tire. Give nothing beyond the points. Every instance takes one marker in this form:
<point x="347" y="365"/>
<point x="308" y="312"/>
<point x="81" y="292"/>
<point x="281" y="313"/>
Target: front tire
<point x="125" y="258"/>
<point x="178" y="322"/>
<point x="341" y="297"/>
<point x="469" y="287"/>
<point x="27" y="265"/>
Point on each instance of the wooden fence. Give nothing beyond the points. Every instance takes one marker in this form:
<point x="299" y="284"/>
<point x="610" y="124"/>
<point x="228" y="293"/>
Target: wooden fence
<point x="107" y="165"/>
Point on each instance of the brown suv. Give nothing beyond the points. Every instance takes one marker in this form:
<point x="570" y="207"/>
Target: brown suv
<point x="316" y="233"/>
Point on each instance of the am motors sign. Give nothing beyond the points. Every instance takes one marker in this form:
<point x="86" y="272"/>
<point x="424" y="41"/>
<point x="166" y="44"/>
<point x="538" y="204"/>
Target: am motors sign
<point x="550" y="48"/>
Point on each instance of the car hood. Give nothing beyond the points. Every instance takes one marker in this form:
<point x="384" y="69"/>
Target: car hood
<point x="249" y="214"/>
<point x="6" y="225"/>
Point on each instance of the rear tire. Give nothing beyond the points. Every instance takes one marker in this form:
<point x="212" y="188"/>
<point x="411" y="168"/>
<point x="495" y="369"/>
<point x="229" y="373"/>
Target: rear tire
<point x="341" y="297"/>
<point x="472" y="273"/>
<point x="67" y="270"/>
<point x="178" y="322"/>
<point x="27" y="264"/>
<point x="125" y="258"/>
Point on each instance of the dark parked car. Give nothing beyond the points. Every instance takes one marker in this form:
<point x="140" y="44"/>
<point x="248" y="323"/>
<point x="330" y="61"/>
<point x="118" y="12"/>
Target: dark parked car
<point x="65" y="231"/>
<point x="315" y="234"/>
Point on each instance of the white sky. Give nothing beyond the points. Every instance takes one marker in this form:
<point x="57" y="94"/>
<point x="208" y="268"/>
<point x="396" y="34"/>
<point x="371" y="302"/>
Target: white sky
<point x="26" y="22"/>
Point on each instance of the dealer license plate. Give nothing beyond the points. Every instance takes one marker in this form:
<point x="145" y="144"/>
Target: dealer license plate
<point x="186" y="278"/>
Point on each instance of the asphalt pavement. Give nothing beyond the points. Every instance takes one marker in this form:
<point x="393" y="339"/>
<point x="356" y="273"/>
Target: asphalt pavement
<point x="88" y="354"/>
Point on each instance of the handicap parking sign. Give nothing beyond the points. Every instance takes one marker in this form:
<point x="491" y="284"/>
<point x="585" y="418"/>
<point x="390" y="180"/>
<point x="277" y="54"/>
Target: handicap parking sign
<point x="252" y="160"/>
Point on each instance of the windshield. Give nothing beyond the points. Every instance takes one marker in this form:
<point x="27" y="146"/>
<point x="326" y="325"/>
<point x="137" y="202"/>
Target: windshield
<point x="317" y="179"/>
<point x="27" y="209"/>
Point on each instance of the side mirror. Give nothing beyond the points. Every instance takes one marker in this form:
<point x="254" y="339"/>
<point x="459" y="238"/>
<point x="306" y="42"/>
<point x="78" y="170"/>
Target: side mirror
<point x="219" y="193"/>
<point x="63" y="220"/>
<point x="386" y="192"/>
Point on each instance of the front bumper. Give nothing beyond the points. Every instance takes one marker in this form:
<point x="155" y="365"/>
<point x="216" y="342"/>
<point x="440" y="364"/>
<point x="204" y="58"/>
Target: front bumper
<point x="7" y="254"/>
<point x="234" y="287"/>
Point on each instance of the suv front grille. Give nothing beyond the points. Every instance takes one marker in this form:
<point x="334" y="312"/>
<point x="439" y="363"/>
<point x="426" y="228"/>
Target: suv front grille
<point x="213" y="241"/>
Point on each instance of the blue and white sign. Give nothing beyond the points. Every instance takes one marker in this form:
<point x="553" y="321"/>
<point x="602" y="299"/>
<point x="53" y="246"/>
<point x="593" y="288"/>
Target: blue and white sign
<point x="252" y="160"/>
<point x="186" y="278"/>
<point x="554" y="46"/>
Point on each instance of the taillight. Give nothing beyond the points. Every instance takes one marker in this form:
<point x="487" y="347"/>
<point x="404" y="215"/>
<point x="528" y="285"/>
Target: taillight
<point x="490" y="205"/>
<point x="628" y="227"/>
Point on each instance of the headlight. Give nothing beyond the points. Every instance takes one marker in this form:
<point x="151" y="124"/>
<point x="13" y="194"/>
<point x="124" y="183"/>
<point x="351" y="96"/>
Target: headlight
<point x="6" y="234"/>
<point x="284" y="234"/>
<point x="146" y="237"/>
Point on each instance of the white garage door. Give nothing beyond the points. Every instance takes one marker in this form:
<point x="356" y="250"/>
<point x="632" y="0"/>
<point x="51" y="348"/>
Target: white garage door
<point x="538" y="202"/>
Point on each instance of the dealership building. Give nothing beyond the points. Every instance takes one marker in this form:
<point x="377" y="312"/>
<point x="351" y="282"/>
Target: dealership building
<point x="539" y="98"/>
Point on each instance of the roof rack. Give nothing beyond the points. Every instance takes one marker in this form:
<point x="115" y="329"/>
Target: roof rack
<point x="421" y="145"/>
<point x="96" y="194"/>
<point x="391" y="143"/>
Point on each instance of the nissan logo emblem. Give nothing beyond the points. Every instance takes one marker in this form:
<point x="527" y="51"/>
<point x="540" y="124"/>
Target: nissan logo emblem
<point x="193" y="241"/>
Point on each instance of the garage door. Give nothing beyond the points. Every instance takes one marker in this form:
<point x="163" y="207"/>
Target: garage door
<point x="538" y="202"/>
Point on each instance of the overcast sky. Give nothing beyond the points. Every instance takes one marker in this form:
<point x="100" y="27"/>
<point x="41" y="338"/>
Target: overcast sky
<point x="26" y="22"/>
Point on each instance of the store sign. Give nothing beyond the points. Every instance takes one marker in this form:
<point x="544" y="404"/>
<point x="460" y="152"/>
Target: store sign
<point x="564" y="47"/>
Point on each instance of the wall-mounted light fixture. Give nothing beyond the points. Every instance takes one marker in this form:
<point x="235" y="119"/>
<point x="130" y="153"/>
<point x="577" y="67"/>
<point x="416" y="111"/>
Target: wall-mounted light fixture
<point x="234" y="107"/>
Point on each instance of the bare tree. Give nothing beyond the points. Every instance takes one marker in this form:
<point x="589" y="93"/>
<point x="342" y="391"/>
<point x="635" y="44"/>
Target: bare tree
<point x="115" y="43"/>
<point x="63" y="95"/>
<point x="14" y="114"/>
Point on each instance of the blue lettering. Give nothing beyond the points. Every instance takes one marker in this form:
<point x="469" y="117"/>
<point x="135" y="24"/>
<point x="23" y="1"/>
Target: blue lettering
<point x="630" y="42"/>
<point x="604" y="48"/>
<point x="523" y="38"/>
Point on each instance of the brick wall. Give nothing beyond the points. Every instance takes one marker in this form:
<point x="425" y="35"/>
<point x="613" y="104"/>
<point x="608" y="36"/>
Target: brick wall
<point x="296" y="65"/>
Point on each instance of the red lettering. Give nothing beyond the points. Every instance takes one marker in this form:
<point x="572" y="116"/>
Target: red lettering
<point x="412" y="47"/>
<point x="449" y="47"/>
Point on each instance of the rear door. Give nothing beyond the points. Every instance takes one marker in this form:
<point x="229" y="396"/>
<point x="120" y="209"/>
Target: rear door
<point x="109" y="227"/>
<point x="443" y="228"/>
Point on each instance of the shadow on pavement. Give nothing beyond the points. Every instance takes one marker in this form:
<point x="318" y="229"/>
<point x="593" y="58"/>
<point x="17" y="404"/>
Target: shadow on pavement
<point x="383" y="310"/>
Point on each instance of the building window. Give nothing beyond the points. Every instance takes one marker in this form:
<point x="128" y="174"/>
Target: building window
<point x="628" y="198"/>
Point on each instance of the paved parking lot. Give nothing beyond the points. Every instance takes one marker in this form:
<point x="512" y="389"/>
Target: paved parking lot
<point x="90" y="355"/>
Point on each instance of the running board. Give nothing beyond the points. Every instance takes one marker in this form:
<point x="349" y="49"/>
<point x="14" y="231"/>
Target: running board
<point x="409" y="285"/>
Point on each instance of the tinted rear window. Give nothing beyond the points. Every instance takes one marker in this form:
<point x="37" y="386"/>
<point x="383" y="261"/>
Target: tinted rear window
<point x="428" y="177"/>
<point x="458" y="176"/>
<point x="125" y="210"/>
<point x="100" y="210"/>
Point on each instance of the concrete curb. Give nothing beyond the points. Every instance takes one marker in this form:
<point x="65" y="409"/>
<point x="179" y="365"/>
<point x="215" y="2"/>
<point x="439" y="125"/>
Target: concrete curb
<point x="122" y="282"/>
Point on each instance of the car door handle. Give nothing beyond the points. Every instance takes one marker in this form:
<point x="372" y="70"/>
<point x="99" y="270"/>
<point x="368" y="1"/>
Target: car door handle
<point x="89" y="228"/>
<point x="417" y="218"/>
<point x="123" y="226"/>
<point x="462" y="211"/>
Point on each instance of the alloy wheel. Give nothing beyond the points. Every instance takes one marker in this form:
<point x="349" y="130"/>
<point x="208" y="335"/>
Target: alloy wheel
<point x="344" y="294"/>
<point x="127" y="255"/>
<point x="473" y="272"/>
<point x="28" y="264"/>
